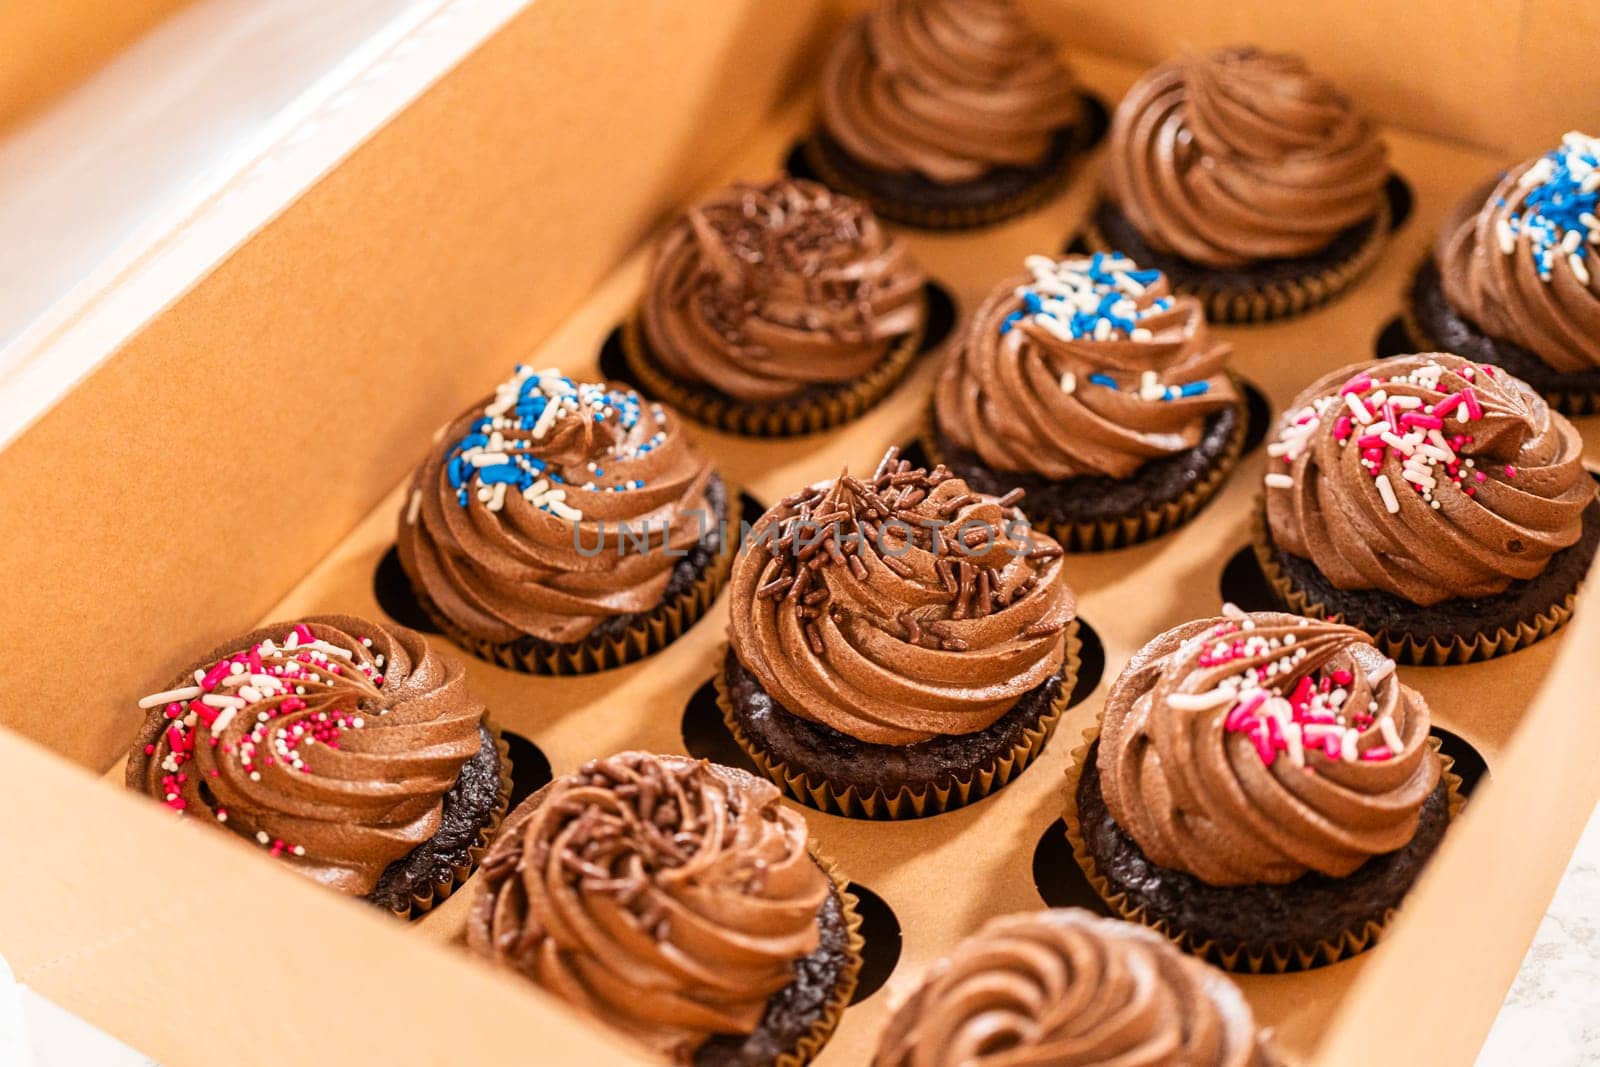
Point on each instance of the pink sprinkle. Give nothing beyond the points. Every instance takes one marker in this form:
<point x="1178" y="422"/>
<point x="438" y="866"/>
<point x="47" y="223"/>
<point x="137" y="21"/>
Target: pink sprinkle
<point x="1342" y="677"/>
<point x="1466" y="372"/>
<point x="1370" y="440"/>
<point x="214" y="675"/>
<point x="149" y="750"/>
<point x="1447" y="405"/>
<point x="1470" y="491"/>
<point x="1511" y="472"/>
<point x="303" y="634"/>
<point x="1374" y="454"/>
<point x="1487" y="369"/>
<point x="1263" y="746"/>
<point x="1471" y="400"/>
<point x="1377" y="752"/>
<point x="1359" y="384"/>
<point x="1432" y="422"/>
<point x="1479" y="475"/>
<point x="1342" y="427"/>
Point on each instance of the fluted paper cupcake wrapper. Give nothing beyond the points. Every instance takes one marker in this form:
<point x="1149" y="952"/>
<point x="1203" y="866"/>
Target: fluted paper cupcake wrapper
<point x="1566" y="401"/>
<point x="1272" y="959"/>
<point x="1124" y="531"/>
<point x="845" y="988"/>
<point x="439" y="892"/>
<point x="828" y="408"/>
<point x="1408" y="648"/>
<point x="649" y="634"/>
<point x="908" y="802"/>
<point x="1275" y="300"/>
<point x="967" y="217"/>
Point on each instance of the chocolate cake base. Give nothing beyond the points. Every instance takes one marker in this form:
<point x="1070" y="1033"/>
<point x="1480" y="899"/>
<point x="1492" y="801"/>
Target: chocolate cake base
<point x="998" y="194"/>
<point x="793" y="1010"/>
<point x="1312" y="909"/>
<point x="1256" y="292"/>
<point x="1096" y="498"/>
<point x="1373" y="610"/>
<point x="845" y="762"/>
<point x="469" y="807"/>
<point x="1435" y="326"/>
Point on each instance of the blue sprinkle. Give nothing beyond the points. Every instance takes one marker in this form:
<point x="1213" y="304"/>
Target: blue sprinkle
<point x="1194" y="388"/>
<point x="1103" y="379"/>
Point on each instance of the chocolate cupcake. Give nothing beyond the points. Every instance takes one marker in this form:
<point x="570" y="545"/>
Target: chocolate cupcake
<point x="680" y="903"/>
<point x="348" y="749"/>
<point x="1088" y="385"/>
<point x="947" y="113"/>
<point x="1066" y="987"/>
<point x="1263" y="790"/>
<point x="1249" y="181"/>
<point x="900" y="645"/>
<point x="1436" y="503"/>
<point x="777" y="309"/>
<point x="562" y="528"/>
<point x="1513" y="281"/>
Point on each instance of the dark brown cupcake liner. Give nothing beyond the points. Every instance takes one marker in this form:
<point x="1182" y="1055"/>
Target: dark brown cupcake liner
<point x="1575" y="402"/>
<point x="908" y="803"/>
<point x="845" y="988"/>
<point x="1127" y="530"/>
<point x="966" y="217"/>
<point x="823" y="409"/>
<point x="1275" y="300"/>
<point x="438" y="893"/>
<point x="650" y="633"/>
<point x="1274" y="959"/>
<point x="1404" y="647"/>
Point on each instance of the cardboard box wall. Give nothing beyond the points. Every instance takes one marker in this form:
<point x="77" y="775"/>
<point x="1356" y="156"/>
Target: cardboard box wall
<point x="503" y="210"/>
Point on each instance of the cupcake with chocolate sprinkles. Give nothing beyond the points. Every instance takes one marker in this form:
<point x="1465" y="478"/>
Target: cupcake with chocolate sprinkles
<point x="521" y="534"/>
<point x="1087" y="384"/>
<point x="778" y="309"/>
<point x="947" y="113"/>
<point x="1513" y="281"/>
<point x="1436" y="503"/>
<point x="900" y="644"/>
<point x="1067" y="987"/>
<point x="680" y="903"/>
<point x="348" y="749"/>
<point x="1263" y="790"/>
<point x="1248" y="180"/>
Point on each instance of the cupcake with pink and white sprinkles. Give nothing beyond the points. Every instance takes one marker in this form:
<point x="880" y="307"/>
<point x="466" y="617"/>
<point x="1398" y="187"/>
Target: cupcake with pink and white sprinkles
<point x="1439" y="504"/>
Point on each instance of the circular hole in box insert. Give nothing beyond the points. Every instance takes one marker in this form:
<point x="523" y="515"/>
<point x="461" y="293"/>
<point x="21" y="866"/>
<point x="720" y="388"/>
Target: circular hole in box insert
<point x="1469" y="765"/>
<point x="1057" y="876"/>
<point x="613" y="363"/>
<point x="1242" y="583"/>
<point x="1091" y="663"/>
<point x="941" y="314"/>
<point x="1097" y="120"/>
<point x="796" y="165"/>
<point x="1258" y="416"/>
<point x="1401" y="200"/>
<point x="1393" y="340"/>
<point x="530" y="767"/>
<point x="392" y="589"/>
<point x="880" y="932"/>
<point x="706" y="735"/>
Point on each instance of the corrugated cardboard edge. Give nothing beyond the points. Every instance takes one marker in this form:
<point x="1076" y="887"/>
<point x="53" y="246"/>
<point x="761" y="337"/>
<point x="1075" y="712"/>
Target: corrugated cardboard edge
<point x="908" y="803"/>
<point x="1276" y="958"/>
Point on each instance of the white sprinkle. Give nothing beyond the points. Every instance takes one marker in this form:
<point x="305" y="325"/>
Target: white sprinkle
<point x="1232" y="611"/>
<point x="497" y="498"/>
<point x="299" y="850"/>
<point x="263" y="837"/>
<point x="1386" y="491"/>
<point x="1391" y="736"/>
<point x="1380" y="672"/>
<point x="1579" y="271"/>
<point x="1506" y="239"/>
<point x="218" y="700"/>
<point x="1347" y="746"/>
<point x="1199" y="701"/>
<point x="1398" y="443"/>
<point x="1275" y="480"/>
<point x="188" y="692"/>
<point x="1358" y="409"/>
<point x="334" y="650"/>
<point x="414" y="508"/>
<point x="489" y="459"/>
<point x="1069" y="382"/>
<point x="1293" y="745"/>
<point x="220" y="723"/>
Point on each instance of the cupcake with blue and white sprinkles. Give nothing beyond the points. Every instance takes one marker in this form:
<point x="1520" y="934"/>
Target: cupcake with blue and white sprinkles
<point x="1513" y="278"/>
<point x="1089" y="386"/>
<point x="561" y="527"/>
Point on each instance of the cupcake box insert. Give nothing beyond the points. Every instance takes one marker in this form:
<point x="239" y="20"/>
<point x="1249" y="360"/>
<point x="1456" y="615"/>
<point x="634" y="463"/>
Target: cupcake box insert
<point x="272" y="373"/>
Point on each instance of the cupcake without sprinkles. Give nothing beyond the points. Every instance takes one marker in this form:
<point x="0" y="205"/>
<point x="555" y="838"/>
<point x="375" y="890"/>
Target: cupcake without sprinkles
<point x="512" y="533"/>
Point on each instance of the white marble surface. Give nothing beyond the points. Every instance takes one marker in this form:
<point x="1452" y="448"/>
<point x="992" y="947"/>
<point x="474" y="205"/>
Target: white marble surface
<point x="1550" y="1018"/>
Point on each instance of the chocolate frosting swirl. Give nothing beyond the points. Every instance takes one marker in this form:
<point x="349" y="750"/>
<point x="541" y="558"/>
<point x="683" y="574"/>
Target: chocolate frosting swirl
<point x="1518" y="262"/>
<point x="1255" y="748"/>
<point x="1067" y="988"/>
<point x="947" y="89"/>
<point x="330" y="742"/>
<point x="765" y="290"/>
<point x="1241" y="156"/>
<point x="1039" y="385"/>
<point x="1477" y="483"/>
<point x="862" y="605"/>
<point x="667" y="896"/>
<point x="513" y="523"/>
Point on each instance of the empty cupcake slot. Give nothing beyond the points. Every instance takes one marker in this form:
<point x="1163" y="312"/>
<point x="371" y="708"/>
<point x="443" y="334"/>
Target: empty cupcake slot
<point x="1243" y="584"/>
<point x="913" y="453"/>
<point x="880" y="929"/>
<point x="1057" y="876"/>
<point x="1393" y="340"/>
<point x="394" y="594"/>
<point x="613" y="363"/>
<point x="705" y="732"/>
<point x="530" y="767"/>
<point x="941" y="315"/>
<point x="1258" y="416"/>
<point x="1401" y="200"/>
<point x="1469" y="766"/>
<point x="750" y="509"/>
<point x="1097" y="121"/>
<point x="1091" y="663"/>
<point x="1076" y="246"/>
<point x="796" y="165"/>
